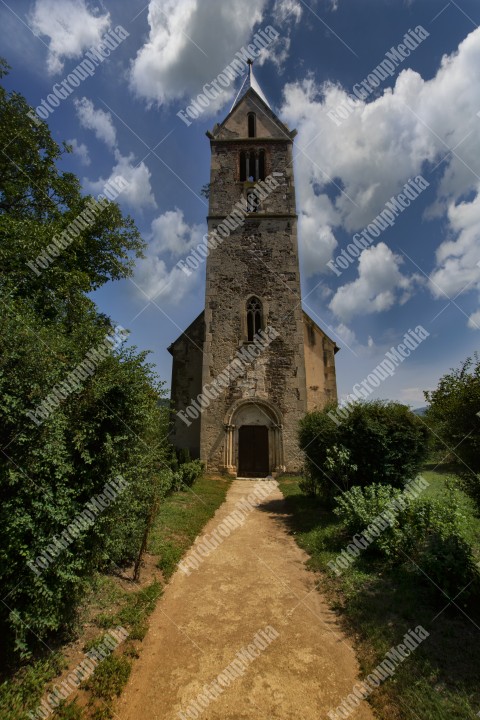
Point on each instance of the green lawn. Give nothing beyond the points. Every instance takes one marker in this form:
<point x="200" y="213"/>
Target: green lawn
<point x="377" y="606"/>
<point x="182" y="517"/>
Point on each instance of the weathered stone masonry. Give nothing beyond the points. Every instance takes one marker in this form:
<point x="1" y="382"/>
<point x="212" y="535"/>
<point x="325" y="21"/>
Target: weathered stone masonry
<point x="260" y="260"/>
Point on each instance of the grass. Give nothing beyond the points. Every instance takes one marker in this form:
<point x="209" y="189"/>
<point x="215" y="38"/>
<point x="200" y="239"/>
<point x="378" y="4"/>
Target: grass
<point x="109" y="603"/>
<point x="24" y="691"/>
<point x="109" y="678"/>
<point x="377" y="606"/>
<point x="181" y="518"/>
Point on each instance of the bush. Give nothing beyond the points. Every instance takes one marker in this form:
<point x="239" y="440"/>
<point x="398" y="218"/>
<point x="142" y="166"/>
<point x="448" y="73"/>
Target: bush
<point x="427" y="531"/>
<point x="187" y="474"/>
<point x="360" y="507"/>
<point x="448" y="561"/>
<point x="386" y="443"/>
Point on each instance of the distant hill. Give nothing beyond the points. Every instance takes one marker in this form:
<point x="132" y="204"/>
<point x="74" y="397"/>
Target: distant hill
<point x="420" y="411"/>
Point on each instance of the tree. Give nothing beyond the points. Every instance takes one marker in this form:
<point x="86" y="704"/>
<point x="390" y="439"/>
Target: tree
<point x="453" y="414"/>
<point x="108" y="425"/>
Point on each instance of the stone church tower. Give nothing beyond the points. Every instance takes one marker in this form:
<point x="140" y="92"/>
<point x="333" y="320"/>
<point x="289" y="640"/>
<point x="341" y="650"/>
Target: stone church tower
<point x="251" y="410"/>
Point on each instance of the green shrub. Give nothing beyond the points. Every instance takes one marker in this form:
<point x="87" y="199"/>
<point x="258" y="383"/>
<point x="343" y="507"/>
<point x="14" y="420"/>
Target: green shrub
<point x="188" y="473"/>
<point x="425" y="530"/>
<point x="359" y="507"/>
<point x="448" y="561"/>
<point x="386" y="443"/>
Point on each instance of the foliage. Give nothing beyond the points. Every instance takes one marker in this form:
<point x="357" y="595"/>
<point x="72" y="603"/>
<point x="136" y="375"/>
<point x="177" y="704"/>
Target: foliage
<point x="188" y="473"/>
<point x="69" y="711"/>
<point x="453" y="414"/>
<point x="111" y="425"/>
<point x="378" y="601"/>
<point x="25" y="691"/>
<point x="378" y="442"/>
<point x="109" y="677"/>
<point x="426" y="531"/>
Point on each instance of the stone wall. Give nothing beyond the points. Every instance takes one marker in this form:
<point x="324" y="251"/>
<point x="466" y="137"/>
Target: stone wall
<point x="187" y="384"/>
<point x="319" y="366"/>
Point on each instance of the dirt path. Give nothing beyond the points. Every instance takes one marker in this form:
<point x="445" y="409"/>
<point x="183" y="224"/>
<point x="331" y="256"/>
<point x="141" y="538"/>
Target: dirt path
<point x="255" y="578"/>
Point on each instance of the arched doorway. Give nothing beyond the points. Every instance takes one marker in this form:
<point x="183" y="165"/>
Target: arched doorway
<point x="253" y="444"/>
<point x="253" y="453"/>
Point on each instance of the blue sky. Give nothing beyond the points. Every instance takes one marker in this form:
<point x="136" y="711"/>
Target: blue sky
<point x="421" y="120"/>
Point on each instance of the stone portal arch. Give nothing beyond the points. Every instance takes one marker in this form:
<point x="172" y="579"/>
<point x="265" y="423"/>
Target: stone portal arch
<point x="249" y="413"/>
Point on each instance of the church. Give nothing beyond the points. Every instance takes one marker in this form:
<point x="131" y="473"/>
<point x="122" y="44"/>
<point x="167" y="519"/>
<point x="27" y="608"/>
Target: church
<point x="236" y="401"/>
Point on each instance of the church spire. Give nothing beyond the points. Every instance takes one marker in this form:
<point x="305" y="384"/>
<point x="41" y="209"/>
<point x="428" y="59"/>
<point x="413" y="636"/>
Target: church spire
<point x="250" y="81"/>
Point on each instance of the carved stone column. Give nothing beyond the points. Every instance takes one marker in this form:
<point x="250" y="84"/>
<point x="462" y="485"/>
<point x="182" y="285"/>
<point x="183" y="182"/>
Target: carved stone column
<point x="228" y="450"/>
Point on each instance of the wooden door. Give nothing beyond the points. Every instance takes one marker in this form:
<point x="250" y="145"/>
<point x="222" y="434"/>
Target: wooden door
<point x="253" y="451"/>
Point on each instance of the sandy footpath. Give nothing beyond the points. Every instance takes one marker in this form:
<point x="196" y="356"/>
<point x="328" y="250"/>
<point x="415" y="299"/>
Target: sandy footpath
<point x="254" y="579"/>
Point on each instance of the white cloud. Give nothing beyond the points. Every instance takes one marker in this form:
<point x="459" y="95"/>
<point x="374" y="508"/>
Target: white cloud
<point x="286" y="14"/>
<point x="189" y="43"/>
<point x="345" y="334"/>
<point x="138" y="194"/>
<point x="458" y="259"/>
<point x="157" y="282"/>
<point x="97" y="120"/>
<point x="379" y="285"/>
<point x="170" y="234"/>
<point x="81" y="150"/>
<point x="317" y="238"/>
<point x="474" y="320"/>
<point x="287" y="10"/>
<point x="70" y="26"/>
<point x="415" y="121"/>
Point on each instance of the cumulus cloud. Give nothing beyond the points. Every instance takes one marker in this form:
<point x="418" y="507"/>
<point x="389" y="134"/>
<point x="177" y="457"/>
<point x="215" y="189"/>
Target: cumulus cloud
<point x="97" y="120"/>
<point x="70" y="26"/>
<point x="286" y="14"/>
<point x="138" y="194"/>
<point x="189" y="43"/>
<point x="287" y="10"/>
<point x="474" y="320"/>
<point x="156" y="282"/>
<point x="81" y="150"/>
<point x="379" y="285"/>
<point x="172" y="235"/>
<point x="345" y="334"/>
<point x="458" y="258"/>
<point x="410" y="127"/>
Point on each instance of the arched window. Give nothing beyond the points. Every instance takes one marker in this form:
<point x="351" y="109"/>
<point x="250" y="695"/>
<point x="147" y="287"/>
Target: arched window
<point x="254" y="318"/>
<point x="252" y="165"/>
<point x="252" y="125"/>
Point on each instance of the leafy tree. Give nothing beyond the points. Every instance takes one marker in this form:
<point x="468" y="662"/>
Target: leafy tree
<point x="453" y="415"/>
<point x="111" y="425"/>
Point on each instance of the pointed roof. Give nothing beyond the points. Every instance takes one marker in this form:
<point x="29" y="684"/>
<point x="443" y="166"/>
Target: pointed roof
<point x="250" y="81"/>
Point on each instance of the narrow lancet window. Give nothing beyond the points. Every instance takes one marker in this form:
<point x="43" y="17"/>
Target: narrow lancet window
<point x="254" y="318"/>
